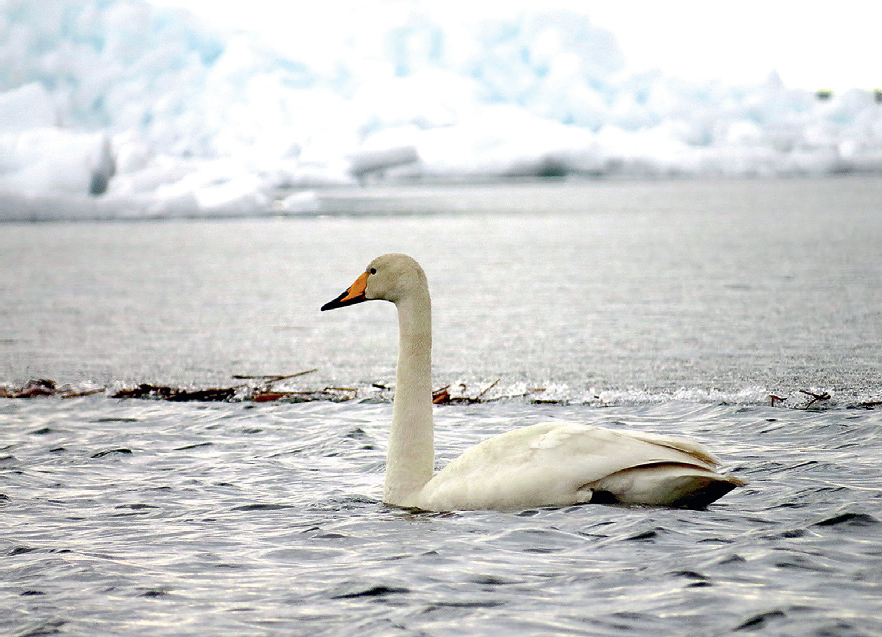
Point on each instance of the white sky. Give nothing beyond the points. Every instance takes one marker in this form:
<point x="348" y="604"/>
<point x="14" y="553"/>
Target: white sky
<point x="810" y="44"/>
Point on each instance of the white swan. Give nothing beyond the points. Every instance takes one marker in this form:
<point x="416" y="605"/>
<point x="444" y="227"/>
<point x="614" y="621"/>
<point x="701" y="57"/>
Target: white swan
<point x="549" y="464"/>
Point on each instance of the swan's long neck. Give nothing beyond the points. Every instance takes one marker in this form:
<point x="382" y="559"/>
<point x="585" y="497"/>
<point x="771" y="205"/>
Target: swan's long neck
<point x="410" y="459"/>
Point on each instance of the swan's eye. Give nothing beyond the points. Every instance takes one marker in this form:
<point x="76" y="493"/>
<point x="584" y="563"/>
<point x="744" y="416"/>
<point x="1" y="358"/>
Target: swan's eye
<point x="373" y="270"/>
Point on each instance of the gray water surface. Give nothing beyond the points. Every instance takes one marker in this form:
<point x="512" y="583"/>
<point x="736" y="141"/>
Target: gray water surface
<point x="728" y="285"/>
<point x="162" y="518"/>
<point x="669" y="307"/>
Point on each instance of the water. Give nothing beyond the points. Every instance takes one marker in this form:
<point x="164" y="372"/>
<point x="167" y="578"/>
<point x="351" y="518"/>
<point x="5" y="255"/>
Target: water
<point x="672" y="307"/>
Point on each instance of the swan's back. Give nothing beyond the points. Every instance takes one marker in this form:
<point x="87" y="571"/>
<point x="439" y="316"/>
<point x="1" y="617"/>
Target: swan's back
<point x="556" y="464"/>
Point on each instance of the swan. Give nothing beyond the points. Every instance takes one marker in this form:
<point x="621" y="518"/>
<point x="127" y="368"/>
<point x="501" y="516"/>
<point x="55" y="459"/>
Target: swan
<point x="550" y="464"/>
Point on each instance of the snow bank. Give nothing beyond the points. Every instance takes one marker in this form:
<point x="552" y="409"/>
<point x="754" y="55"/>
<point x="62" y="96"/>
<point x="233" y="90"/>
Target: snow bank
<point x="156" y="115"/>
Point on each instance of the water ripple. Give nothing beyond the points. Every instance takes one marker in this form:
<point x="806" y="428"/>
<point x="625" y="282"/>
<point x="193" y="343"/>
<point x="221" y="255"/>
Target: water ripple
<point x="249" y="521"/>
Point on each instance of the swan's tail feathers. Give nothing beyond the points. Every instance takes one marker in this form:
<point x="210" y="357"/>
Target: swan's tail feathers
<point x="698" y="492"/>
<point x="670" y="484"/>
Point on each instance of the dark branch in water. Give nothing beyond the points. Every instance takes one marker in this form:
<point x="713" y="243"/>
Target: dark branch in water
<point x="331" y="394"/>
<point x="815" y="397"/>
<point x="175" y="394"/>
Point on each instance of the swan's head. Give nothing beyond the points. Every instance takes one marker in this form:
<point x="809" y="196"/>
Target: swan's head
<point x="390" y="277"/>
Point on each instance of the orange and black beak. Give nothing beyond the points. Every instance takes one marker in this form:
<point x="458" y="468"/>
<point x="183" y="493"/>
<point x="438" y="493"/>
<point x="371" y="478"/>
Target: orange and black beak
<point x="355" y="294"/>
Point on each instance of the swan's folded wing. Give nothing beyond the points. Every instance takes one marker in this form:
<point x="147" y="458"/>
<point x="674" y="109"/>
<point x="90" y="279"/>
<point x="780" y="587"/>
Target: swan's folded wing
<point x="684" y="445"/>
<point x="566" y="463"/>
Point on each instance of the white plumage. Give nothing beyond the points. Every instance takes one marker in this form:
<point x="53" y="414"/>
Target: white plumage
<point x="549" y="464"/>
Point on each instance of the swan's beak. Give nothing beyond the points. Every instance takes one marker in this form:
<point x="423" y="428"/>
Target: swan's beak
<point x="355" y="294"/>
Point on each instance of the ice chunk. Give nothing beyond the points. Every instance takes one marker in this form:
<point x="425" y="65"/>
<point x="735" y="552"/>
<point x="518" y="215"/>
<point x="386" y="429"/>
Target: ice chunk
<point x="53" y="160"/>
<point x="166" y="116"/>
<point x="28" y="106"/>
<point x="304" y="202"/>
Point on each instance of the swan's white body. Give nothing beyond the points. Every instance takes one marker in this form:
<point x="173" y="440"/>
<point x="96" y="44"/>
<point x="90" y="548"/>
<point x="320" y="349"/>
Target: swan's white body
<point x="550" y="464"/>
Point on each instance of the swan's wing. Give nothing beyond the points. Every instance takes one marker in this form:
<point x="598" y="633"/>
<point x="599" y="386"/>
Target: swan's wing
<point x="698" y="452"/>
<point x="567" y="463"/>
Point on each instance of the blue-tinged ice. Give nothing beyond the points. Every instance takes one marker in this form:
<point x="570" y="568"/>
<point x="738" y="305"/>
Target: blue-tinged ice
<point x="157" y="114"/>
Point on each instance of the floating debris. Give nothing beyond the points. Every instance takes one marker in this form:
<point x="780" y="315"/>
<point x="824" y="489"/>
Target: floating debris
<point x="175" y="394"/>
<point x="814" y="397"/>
<point x="776" y="400"/>
<point x="271" y="388"/>
<point x="263" y="392"/>
<point x="270" y="379"/>
<point x="45" y="388"/>
<point x="331" y="394"/>
<point x="35" y="388"/>
<point x="442" y="396"/>
<point x="269" y="396"/>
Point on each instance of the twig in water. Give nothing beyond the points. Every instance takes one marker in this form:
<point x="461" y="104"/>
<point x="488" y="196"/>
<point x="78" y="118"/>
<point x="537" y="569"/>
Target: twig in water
<point x="87" y="392"/>
<point x="491" y="386"/>
<point x="815" y="397"/>
<point x="441" y="396"/>
<point x="271" y="378"/>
